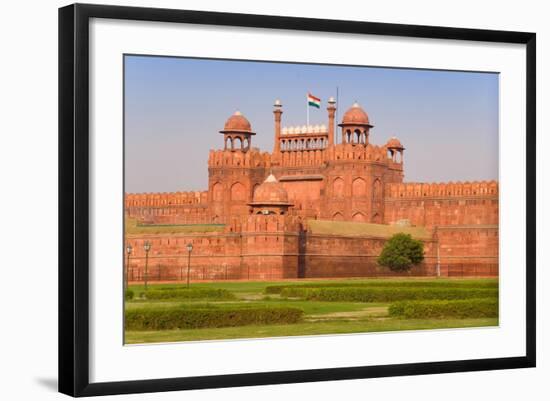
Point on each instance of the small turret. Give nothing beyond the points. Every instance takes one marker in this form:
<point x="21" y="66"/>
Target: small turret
<point x="237" y="133"/>
<point x="355" y="126"/>
<point x="270" y="197"/>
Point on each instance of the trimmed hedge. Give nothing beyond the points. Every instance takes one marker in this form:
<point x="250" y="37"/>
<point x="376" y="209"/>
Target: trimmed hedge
<point x="187" y="293"/>
<point x="469" y="308"/>
<point x="194" y="318"/>
<point x="277" y="289"/>
<point x="128" y="295"/>
<point x="374" y="294"/>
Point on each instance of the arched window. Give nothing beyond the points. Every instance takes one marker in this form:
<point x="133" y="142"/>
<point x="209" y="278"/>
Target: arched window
<point x="338" y="187"/>
<point x="359" y="187"/>
<point x="357" y="136"/>
<point x="376" y="189"/>
<point x="237" y="143"/>
<point x="338" y="216"/>
<point x="217" y="192"/>
<point x="238" y="192"/>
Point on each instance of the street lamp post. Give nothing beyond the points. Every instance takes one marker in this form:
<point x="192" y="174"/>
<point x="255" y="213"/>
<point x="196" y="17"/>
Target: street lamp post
<point x="438" y="262"/>
<point x="189" y="250"/>
<point x="128" y="253"/>
<point x="147" y="248"/>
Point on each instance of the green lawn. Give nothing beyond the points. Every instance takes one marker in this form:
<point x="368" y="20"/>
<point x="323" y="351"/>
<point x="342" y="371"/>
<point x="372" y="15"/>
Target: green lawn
<point x="301" y="329"/>
<point x="319" y="317"/>
<point x="347" y="228"/>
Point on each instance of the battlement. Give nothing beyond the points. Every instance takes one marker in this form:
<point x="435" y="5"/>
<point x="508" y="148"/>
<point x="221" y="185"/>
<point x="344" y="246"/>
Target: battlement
<point x="349" y="151"/>
<point x="305" y="130"/>
<point x="254" y="158"/>
<point x="449" y="189"/>
<point x="165" y="199"/>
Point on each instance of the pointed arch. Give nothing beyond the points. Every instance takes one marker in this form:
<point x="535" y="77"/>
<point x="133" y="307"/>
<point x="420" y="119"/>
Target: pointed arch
<point x="357" y="137"/>
<point x="377" y="218"/>
<point x="359" y="187"/>
<point x="217" y="192"/>
<point x="338" y="187"/>
<point x="238" y="192"/>
<point x="360" y="217"/>
<point x="377" y="189"/>
<point x="337" y="216"/>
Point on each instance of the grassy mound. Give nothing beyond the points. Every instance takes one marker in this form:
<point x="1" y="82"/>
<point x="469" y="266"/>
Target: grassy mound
<point x="209" y="316"/>
<point x="462" y="309"/>
<point x="381" y="294"/>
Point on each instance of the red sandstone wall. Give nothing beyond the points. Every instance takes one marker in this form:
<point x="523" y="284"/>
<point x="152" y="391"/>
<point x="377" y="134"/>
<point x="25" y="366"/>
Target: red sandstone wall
<point x="338" y="256"/>
<point x="445" y="204"/>
<point x="264" y="254"/>
<point x="168" y="207"/>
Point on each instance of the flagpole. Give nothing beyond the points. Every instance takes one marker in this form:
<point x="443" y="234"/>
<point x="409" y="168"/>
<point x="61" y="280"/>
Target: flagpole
<point x="307" y="110"/>
<point x="337" y="107"/>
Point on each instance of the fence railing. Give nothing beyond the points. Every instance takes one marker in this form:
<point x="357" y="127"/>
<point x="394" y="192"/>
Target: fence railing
<point x="159" y="271"/>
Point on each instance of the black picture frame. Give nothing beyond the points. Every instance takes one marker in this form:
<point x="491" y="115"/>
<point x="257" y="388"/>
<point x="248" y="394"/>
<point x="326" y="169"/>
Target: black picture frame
<point x="74" y="198"/>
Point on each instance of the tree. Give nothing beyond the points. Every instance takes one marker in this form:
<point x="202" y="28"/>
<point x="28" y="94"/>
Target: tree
<point x="401" y="252"/>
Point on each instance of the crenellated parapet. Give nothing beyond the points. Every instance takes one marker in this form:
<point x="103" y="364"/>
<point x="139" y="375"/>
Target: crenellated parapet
<point x="441" y="190"/>
<point x="251" y="159"/>
<point x="165" y="199"/>
<point x="457" y="204"/>
<point x="348" y="151"/>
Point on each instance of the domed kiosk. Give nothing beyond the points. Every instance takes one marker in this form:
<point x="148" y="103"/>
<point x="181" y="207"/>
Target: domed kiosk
<point x="270" y="198"/>
<point x="355" y="126"/>
<point x="237" y="133"/>
<point x="395" y="149"/>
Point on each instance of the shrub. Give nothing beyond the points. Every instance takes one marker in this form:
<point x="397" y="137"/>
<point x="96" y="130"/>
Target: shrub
<point x="202" y="317"/>
<point x="401" y="252"/>
<point x="128" y="295"/>
<point x="187" y="293"/>
<point x="358" y="294"/>
<point x="277" y="289"/>
<point x="461" y="309"/>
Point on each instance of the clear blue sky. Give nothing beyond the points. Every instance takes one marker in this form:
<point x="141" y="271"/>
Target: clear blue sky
<point x="174" y="108"/>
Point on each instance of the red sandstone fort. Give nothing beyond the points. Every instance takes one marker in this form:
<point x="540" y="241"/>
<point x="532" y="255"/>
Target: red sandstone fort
<point x="311" y="208"/>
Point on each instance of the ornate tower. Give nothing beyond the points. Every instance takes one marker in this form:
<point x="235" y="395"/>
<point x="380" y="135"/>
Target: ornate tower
<point x="277" y="112"/>
<point x="331" y="110"/>
<point x="234" y="171"/>
<point x="237" y="133"/>
<point x="355" y="126"/>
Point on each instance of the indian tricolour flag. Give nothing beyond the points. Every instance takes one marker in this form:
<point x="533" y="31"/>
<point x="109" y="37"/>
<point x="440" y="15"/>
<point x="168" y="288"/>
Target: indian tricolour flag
<point x="313" y="101"/>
